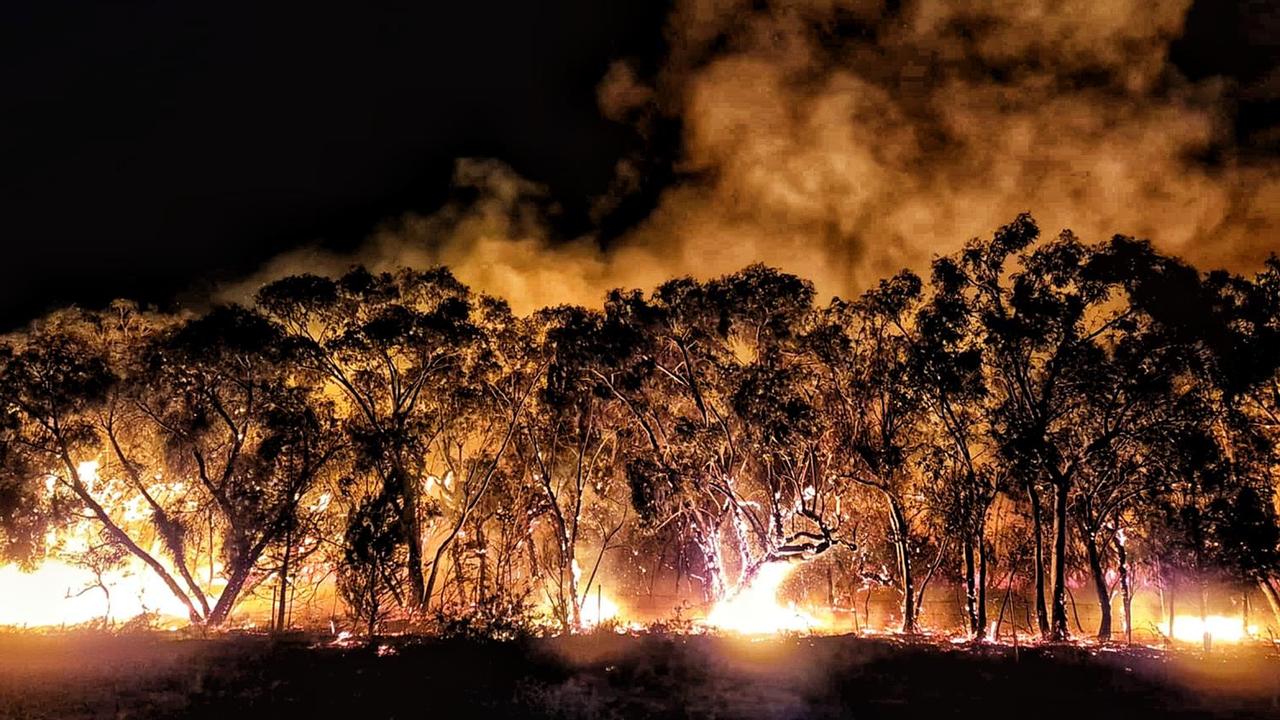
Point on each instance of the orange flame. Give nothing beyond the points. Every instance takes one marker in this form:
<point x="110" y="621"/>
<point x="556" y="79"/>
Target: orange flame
<point x="57" y="593"/>
<point x="1221" y="628"/>
<point x="754" y="609"/>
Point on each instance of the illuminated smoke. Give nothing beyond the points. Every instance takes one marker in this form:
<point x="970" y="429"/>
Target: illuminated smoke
<point x="843" y="140"/>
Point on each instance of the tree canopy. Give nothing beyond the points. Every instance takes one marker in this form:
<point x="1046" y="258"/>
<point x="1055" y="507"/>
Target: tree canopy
<point x="1116" y="408"/>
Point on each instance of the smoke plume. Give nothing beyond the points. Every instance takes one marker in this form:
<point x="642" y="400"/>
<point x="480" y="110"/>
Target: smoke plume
<point x="846" y="139"/>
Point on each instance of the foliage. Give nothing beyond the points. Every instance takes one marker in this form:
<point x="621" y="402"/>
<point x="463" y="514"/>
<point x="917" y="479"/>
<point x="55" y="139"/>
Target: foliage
<point x="1116" y="409"/>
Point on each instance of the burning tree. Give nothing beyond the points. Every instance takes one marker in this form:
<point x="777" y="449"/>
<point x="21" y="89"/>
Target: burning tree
<point x="394" y="347"/>
<point x="438" y="453"/>
<point x="875" y="409"/>
<point x="158" y="431"/>
<point x="712" y="376"/>
<point x="568" y="448"/>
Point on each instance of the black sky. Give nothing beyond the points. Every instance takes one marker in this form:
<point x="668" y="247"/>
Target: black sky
<point x="148" y="148"/>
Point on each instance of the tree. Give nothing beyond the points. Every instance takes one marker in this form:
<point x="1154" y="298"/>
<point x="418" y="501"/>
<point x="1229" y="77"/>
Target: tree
<point x="1050" y="327"/>
<point x="695" y="367"/>
<point x="1230" y="329"/>
<point x="372" y="550"/>
<point x="217" y="391"/>
<point x="485" y="414"/>
<point x="864" y="351"/>
<point x="53" y="383"/>
<point x="568" y="446"/>
<point x="1241" y="339"/>
<point x="170" y="420"/>
<point x="395" y="347"/>
<point x="301" y="442"/>
<point x="946" y="364"/>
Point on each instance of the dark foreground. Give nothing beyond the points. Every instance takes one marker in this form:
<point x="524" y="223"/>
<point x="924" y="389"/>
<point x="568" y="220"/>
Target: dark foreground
<point x="615" y="676"/>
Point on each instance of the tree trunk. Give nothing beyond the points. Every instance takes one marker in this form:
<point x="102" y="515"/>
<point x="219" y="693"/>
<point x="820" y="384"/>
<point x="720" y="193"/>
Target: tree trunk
<point x="1273" y="598"/>
<point x="1042" y="617"/>
<point x="902" y="547"/>
<point x="1099" y="582"/>
<point x="575" y="597"/>
<point x="374" y="609"/>
<point x="1204" y="617"/>
<point x="459" y="574"/>
<point x="708" y="541"/>
<point x="1126" y="590"/>
<point x="230" y="595"/>
<point x="483" y="571"/>
<point x="429" y="588"/>
<point x="982" y="584"/>
<point x="971" y="591"/>
<point x="284" y="581"/>
<point x="227" y="599"/>
<point x="1244" y="612"/>
<point x="1058" y="630"/>
<point x="412" y="530"/>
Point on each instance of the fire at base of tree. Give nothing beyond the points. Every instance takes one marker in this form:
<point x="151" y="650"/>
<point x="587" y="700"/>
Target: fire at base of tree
<point x="1044" y="440"/>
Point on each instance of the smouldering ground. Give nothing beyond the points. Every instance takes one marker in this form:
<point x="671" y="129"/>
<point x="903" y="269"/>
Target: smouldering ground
<point x="615" y="676"/>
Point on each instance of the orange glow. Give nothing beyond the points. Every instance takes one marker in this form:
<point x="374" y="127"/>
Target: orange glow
<point x="56" y="593"/>
<point x="754" y="609"/>
<point x="60" y="593"/>
<point x="1222" y="628"/>
<point x="597" y="609"/>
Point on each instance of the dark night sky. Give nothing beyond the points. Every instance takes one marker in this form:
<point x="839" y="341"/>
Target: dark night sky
<point x="148" y="148"/>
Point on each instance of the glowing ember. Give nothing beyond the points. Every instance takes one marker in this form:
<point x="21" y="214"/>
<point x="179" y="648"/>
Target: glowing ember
<point x="1222" y="628"/>
<point x="754" y="609"/>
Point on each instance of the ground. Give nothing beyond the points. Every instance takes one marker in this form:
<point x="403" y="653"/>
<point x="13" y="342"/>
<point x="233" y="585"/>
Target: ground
<point x="242" y="677"/>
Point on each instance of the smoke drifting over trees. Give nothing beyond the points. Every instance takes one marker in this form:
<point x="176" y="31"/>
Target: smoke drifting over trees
<point x="1114" y="407"/>
<point x="845" y="140"/>
<point x="471" y="416"/>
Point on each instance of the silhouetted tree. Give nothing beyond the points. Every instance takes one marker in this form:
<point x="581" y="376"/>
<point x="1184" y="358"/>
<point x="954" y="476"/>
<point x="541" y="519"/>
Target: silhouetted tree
<point x="864" y="350"/>
<point x="569" y="447"/>
<point x="439" y="453"/>
<point x="395" y="346"/>
<point x="1051" y="328"/>
<point x="946" y="365"/>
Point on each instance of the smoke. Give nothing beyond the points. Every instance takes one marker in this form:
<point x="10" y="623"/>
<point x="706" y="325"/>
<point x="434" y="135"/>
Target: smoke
<point x="846" y="139"/>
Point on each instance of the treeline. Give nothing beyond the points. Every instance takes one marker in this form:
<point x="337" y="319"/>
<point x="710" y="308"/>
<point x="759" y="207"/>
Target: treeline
<point x="446" y="458"/>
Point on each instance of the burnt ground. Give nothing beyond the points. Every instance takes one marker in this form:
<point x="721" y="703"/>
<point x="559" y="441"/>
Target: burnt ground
<point x="237" y="678"/>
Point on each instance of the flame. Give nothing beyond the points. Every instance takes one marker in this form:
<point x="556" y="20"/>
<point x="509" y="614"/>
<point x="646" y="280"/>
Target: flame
<point x="597" y="609"/>
<point x="57" y="593"/>
<point x="1221" y="628"/>
<point x="754" y="609"/>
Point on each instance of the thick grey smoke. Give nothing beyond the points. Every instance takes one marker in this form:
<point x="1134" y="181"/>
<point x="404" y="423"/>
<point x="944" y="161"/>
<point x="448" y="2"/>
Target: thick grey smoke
<point x="843" y="141"/>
